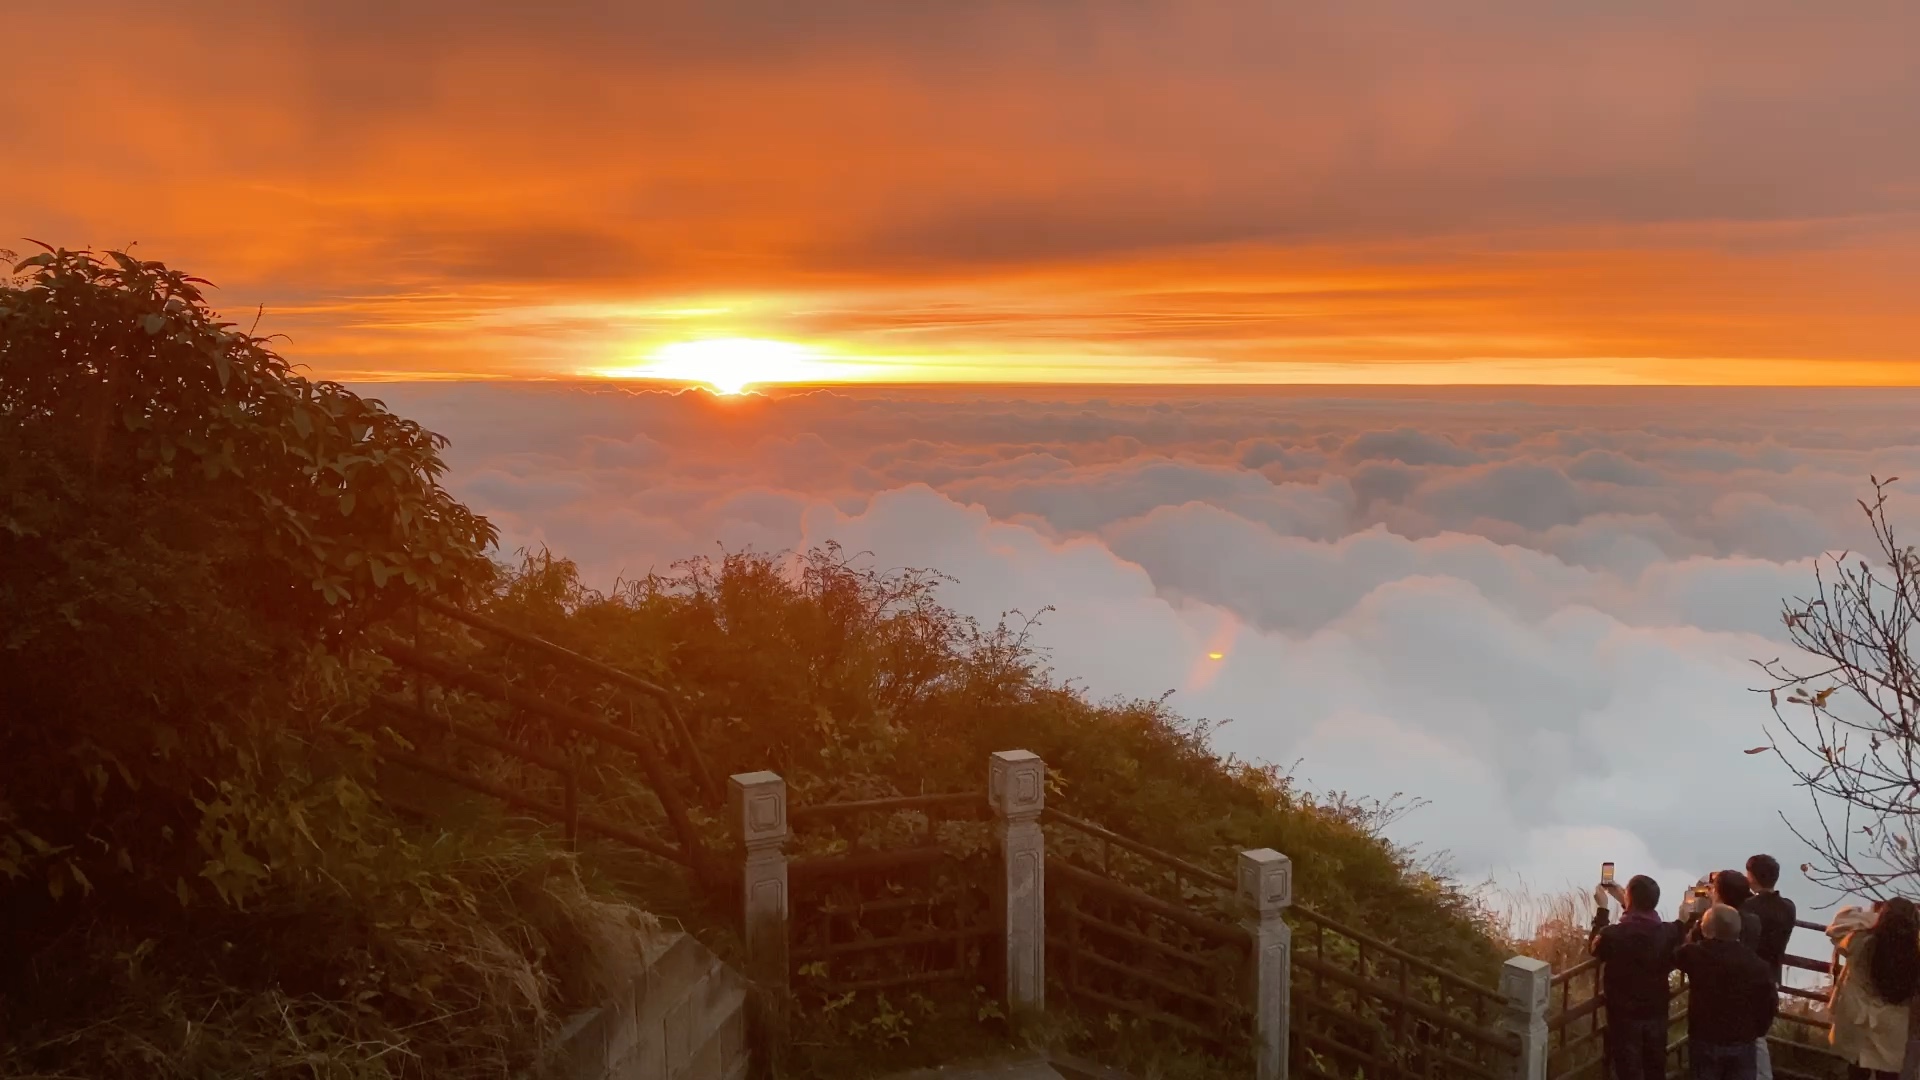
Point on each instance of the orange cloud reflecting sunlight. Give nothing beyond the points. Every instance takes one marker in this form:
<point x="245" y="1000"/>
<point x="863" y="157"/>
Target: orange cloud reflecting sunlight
<point x="1199" y="192"/>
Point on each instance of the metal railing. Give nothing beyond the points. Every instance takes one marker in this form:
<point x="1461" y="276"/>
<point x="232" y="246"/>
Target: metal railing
<point x="1392" y="1014"/>
<point x="1141" y="933"/>
<point x="1374" y="1009"/>
<point x="901" y="915"/>
<point x="686" y="848"/>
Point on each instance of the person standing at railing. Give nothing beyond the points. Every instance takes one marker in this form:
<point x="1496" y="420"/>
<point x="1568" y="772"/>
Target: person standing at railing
<point x="1777" y="916"/>
<point x="1636" y="956"/>
<point x="1730" y="889"/>
<point x="1731" y="998"/>
<point x="1776" y="913"/>
<point x="1874" y="988"/>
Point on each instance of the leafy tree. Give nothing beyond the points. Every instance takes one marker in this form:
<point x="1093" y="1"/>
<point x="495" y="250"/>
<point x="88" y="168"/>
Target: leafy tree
<point x="119" y="387"/>
<point x="185" y="520"/>
<point x="1849" y="701"/>
<point x="193" y="540"/>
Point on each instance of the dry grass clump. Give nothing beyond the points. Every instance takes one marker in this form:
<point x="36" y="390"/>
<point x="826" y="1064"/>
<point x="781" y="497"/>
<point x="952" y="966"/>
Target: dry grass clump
<point x="1546" y="926"/>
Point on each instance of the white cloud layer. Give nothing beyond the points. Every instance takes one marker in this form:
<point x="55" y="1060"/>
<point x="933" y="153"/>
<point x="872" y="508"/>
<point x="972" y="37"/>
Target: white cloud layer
<point x="1537" y="610"/>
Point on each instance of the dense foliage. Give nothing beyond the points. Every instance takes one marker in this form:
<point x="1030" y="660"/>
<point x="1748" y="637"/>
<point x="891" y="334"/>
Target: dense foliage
<point x="197" y="876"/>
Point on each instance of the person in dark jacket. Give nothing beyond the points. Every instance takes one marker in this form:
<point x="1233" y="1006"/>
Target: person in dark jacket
<point x="1730" y="889"/>
<point x="1776" y="913"/>
<point x="1636" y="955"/>
<point x="1777" y="916"/>
<point x="1731" y="998"/>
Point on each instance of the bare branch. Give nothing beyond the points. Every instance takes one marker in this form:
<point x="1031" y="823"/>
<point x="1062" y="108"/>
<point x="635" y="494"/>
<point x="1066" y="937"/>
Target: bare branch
<point x="1852" y="711"/>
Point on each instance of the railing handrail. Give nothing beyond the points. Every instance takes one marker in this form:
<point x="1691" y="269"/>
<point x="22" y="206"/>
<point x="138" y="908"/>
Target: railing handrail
<point x="660" y="694"/>
<point x="827" y="811"/>
<point x="1126" y="843"/>
<point x="445" y="670"/>
<point x="1425" y="1010"/>
<point x="1221" y="881"/>
<point x="1218" y="930"/>
<point x="1424" y="966"/>
<point x="1804" y="963"/>
<point x="1790" y="960"/>
<point x="1580" y="968"/>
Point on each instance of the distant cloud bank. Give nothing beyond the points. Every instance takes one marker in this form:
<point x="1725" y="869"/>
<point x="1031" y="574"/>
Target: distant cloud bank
<point x="1537" y="609"/>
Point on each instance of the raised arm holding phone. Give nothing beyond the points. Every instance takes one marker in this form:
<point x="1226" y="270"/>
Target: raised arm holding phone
<point x="1636" y="955"/>
<point x="1751" y="917"/>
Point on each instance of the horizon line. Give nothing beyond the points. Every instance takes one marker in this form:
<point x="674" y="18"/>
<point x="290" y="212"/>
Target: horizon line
<point x="677" y="386"/>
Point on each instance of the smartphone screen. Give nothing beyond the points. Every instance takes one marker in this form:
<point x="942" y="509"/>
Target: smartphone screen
<point x="1606" y="873"/>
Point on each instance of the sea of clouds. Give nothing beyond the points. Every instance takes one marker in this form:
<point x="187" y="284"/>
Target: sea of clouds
<point x="1537" y="610"/>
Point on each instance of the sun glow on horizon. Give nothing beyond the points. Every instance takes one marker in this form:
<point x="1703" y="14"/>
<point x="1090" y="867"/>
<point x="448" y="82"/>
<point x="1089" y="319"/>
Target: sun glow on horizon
<point x="731" y="365"/>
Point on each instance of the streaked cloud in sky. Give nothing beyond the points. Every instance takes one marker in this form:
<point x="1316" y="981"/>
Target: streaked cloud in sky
<point x="1182" y="191"/>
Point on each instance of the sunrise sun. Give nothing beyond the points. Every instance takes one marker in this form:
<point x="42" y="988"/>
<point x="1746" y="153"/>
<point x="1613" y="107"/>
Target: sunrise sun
<point x="730" y="365"/>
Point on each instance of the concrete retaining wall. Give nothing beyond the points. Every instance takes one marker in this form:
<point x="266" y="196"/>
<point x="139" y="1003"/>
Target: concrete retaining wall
<point x="683" y="1018"/>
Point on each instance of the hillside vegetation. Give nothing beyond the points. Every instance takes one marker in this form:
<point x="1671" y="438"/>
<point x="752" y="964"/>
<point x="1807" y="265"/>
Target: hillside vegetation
<point x="852" y="683"/>
<point x="209" y="868"/>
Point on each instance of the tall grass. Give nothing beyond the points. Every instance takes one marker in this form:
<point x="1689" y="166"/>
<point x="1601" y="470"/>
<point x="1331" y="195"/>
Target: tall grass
<point x="455" y="959"/>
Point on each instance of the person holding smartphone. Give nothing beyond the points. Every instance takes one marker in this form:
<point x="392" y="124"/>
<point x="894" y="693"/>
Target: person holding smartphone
<point x="1636" y="955"/>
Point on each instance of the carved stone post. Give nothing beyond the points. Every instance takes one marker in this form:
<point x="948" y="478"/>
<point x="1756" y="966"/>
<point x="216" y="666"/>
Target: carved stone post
<point x="758" y="805"/>
<point x="1016" y="789"/>
<point x="1266" y="890"/>
<point x="1525" y="982"/>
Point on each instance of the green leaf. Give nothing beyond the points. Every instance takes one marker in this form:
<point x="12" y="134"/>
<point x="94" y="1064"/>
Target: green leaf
<point x="223" y="367"/>
<point x="346" y="504"/>
<point x="153" y="324"/>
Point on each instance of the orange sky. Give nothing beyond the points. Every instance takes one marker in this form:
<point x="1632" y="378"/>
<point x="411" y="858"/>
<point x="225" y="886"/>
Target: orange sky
<point x="1033" y="189"/>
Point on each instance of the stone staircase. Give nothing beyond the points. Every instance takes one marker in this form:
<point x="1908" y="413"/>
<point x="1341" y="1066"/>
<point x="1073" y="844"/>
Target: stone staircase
<point x="1018" y="1067"/>
<point x="1023" y="1068"/>
<point x="682" y="1017"/>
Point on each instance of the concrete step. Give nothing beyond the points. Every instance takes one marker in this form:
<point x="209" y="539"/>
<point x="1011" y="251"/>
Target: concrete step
<point x="1013" y="1068"/>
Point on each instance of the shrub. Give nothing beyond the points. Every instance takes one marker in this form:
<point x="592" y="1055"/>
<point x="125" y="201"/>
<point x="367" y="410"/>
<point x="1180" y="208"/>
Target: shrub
<point x="197" y="874"/>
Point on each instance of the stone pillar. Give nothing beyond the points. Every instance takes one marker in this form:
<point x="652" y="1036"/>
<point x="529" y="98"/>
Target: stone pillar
<point x="758" y="805"/>
<point x="1266" y="891"/>
<point x="1525" y="982"/>
<point x="1016" y="789"/>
